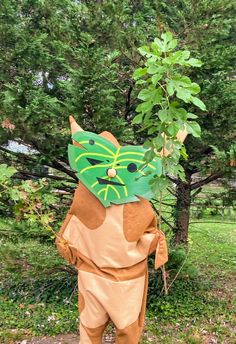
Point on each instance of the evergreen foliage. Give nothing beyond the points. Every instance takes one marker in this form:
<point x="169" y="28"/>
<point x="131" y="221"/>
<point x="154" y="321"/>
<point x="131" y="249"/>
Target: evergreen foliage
<point x="63" y="57"/>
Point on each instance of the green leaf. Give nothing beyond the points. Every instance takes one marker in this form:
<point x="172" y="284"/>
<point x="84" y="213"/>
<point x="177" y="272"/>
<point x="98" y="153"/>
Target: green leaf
<point x="173" y="128"/>
<point x="193" y="128"/>
<point x="172" y="44"/>
<point x="6" y="172"/>
<point x="183" y="94"/>
<point x="183" y="87"/>
<point x="194" y="62"/>
<point x="144" y="50"/>
<point x="144" y="94"/>
<point x="183" y="153"/>
<point x="168" y="42"/>
<point x="138" y="73"/>
<point x="196" y="101"/>
<point x="156" y="78"/>
<point x="185" y="54"/>
<point x="179" y="57"/>
<point x="163" y="115"/>
<point x="159" y="44"/>
<point x="152" y="130"/>
<point x="170" y="87"/>
<point x="159" y="185"/>
<point x="147" y="144"/>
<point x="153" y="96"/>
<point x="149" y="155"/>
<point x="194" y="88"/>
<point x="191" y="115"/>
<point x="156" y="49"/>
<point x="167" y="36"/>
<point x="158" y="142"/>
<point x="152" y="68"/>
<point x="15" y="194"/>
<point x="144" y="107"/>
<point x="141" y="82"/>
<point x="156" y="96"/>
<point x="137" y="119"/>
<point x="178" y="113"/>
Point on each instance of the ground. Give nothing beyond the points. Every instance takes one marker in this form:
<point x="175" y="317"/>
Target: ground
<point x="198" y="310"/>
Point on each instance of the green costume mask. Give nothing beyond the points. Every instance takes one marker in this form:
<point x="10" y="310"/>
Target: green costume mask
<point x="98" y="155"/>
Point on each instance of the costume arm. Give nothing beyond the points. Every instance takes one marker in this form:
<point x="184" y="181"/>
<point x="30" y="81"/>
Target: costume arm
<point x="181" y="136"/>
<point x="65" y="248"/>
<point x="158" y="244"/>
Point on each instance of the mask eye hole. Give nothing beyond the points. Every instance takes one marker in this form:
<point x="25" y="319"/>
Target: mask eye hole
<point x="94" y="161"/>
<point x="132" y="167"/>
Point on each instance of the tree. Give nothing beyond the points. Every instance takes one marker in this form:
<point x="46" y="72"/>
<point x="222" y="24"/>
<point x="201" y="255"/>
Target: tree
<point x="51" y="68"/>
<point x="83" y="65"/>
<point x="209" y="29"/>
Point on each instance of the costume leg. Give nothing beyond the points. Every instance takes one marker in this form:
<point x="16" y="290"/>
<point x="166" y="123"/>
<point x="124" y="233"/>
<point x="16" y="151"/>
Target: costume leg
<point x="91" y="335"/>
<point x="93" y="317"/>
<point x="122" y="301"/>
<point x="131" y="334"/>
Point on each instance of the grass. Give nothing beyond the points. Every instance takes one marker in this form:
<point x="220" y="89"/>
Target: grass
<point x="201" y="309"/>
<point x="36" y="299"/>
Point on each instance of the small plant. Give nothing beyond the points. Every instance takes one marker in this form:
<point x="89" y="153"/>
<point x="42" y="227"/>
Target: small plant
<point x="165" y="91"/>
<point x="31" y="201"/>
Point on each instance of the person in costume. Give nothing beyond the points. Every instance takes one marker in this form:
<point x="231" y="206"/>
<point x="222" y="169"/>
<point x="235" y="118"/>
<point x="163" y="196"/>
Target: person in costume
<point x="109" y="232"/>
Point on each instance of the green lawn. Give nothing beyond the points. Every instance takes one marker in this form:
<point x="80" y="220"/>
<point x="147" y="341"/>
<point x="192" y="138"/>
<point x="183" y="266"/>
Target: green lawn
<point x="201" y="309"/>
<point x="198" y="309"/>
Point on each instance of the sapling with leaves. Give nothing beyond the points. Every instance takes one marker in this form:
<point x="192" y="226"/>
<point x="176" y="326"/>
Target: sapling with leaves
<point x="166" y="94"/>
<point x="31" y="201"/>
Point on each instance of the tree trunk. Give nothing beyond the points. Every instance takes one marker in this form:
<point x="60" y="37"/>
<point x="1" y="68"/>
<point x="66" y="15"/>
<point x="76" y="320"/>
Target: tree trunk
<point x="182" y="211"/>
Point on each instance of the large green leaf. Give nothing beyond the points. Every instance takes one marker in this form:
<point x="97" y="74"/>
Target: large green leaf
<point x="97" y="155"/>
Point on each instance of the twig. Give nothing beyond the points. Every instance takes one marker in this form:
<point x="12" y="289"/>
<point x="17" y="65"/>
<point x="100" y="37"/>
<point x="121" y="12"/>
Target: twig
<point x="163" y="266"/>
<point x="178" y="272"/>
<point x="229" y="223"/>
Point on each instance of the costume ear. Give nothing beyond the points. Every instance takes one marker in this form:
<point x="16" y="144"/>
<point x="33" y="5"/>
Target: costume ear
<point x="74" y="126"/>
<point x="110" y="137"/>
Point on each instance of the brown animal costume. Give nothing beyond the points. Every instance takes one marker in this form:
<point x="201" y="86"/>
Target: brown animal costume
<point x="109" y="246"/>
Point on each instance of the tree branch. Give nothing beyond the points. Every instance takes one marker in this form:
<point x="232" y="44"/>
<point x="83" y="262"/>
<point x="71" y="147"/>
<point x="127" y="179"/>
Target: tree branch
<point x="164" y="220"/>
<point x="173" y="179"/>
<point x="207" y="180"/>
<point x="56" y="164"/>
<point x="23" y="174"/>
<point x="59" y="166"/>
<point x="127" y="103"/>
<point x="18" y="155"/>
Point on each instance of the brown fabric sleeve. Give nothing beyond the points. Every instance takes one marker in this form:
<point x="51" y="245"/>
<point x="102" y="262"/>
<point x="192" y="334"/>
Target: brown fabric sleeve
<point x="152" y="228"/>
<point x="66" y="250"/>
<point x="158" y="244"/>
<point x="161" y="251"/>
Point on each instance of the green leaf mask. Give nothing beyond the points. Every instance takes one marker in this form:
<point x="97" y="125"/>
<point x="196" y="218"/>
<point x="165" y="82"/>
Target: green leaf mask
<point x="97" y="155"/>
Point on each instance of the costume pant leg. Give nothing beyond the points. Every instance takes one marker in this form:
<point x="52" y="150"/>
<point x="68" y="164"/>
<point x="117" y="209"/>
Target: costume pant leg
<point x="122" y="301"/>
<point x="93" y="317"/>
<point x="131" y="334"/>
<point x="91" y="335"/>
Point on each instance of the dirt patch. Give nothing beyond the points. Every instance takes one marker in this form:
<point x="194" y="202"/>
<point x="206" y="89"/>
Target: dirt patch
<point x="62" y="339"/>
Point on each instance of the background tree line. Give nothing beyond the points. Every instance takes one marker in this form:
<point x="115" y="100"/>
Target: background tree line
<point x="66" y="57"/>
